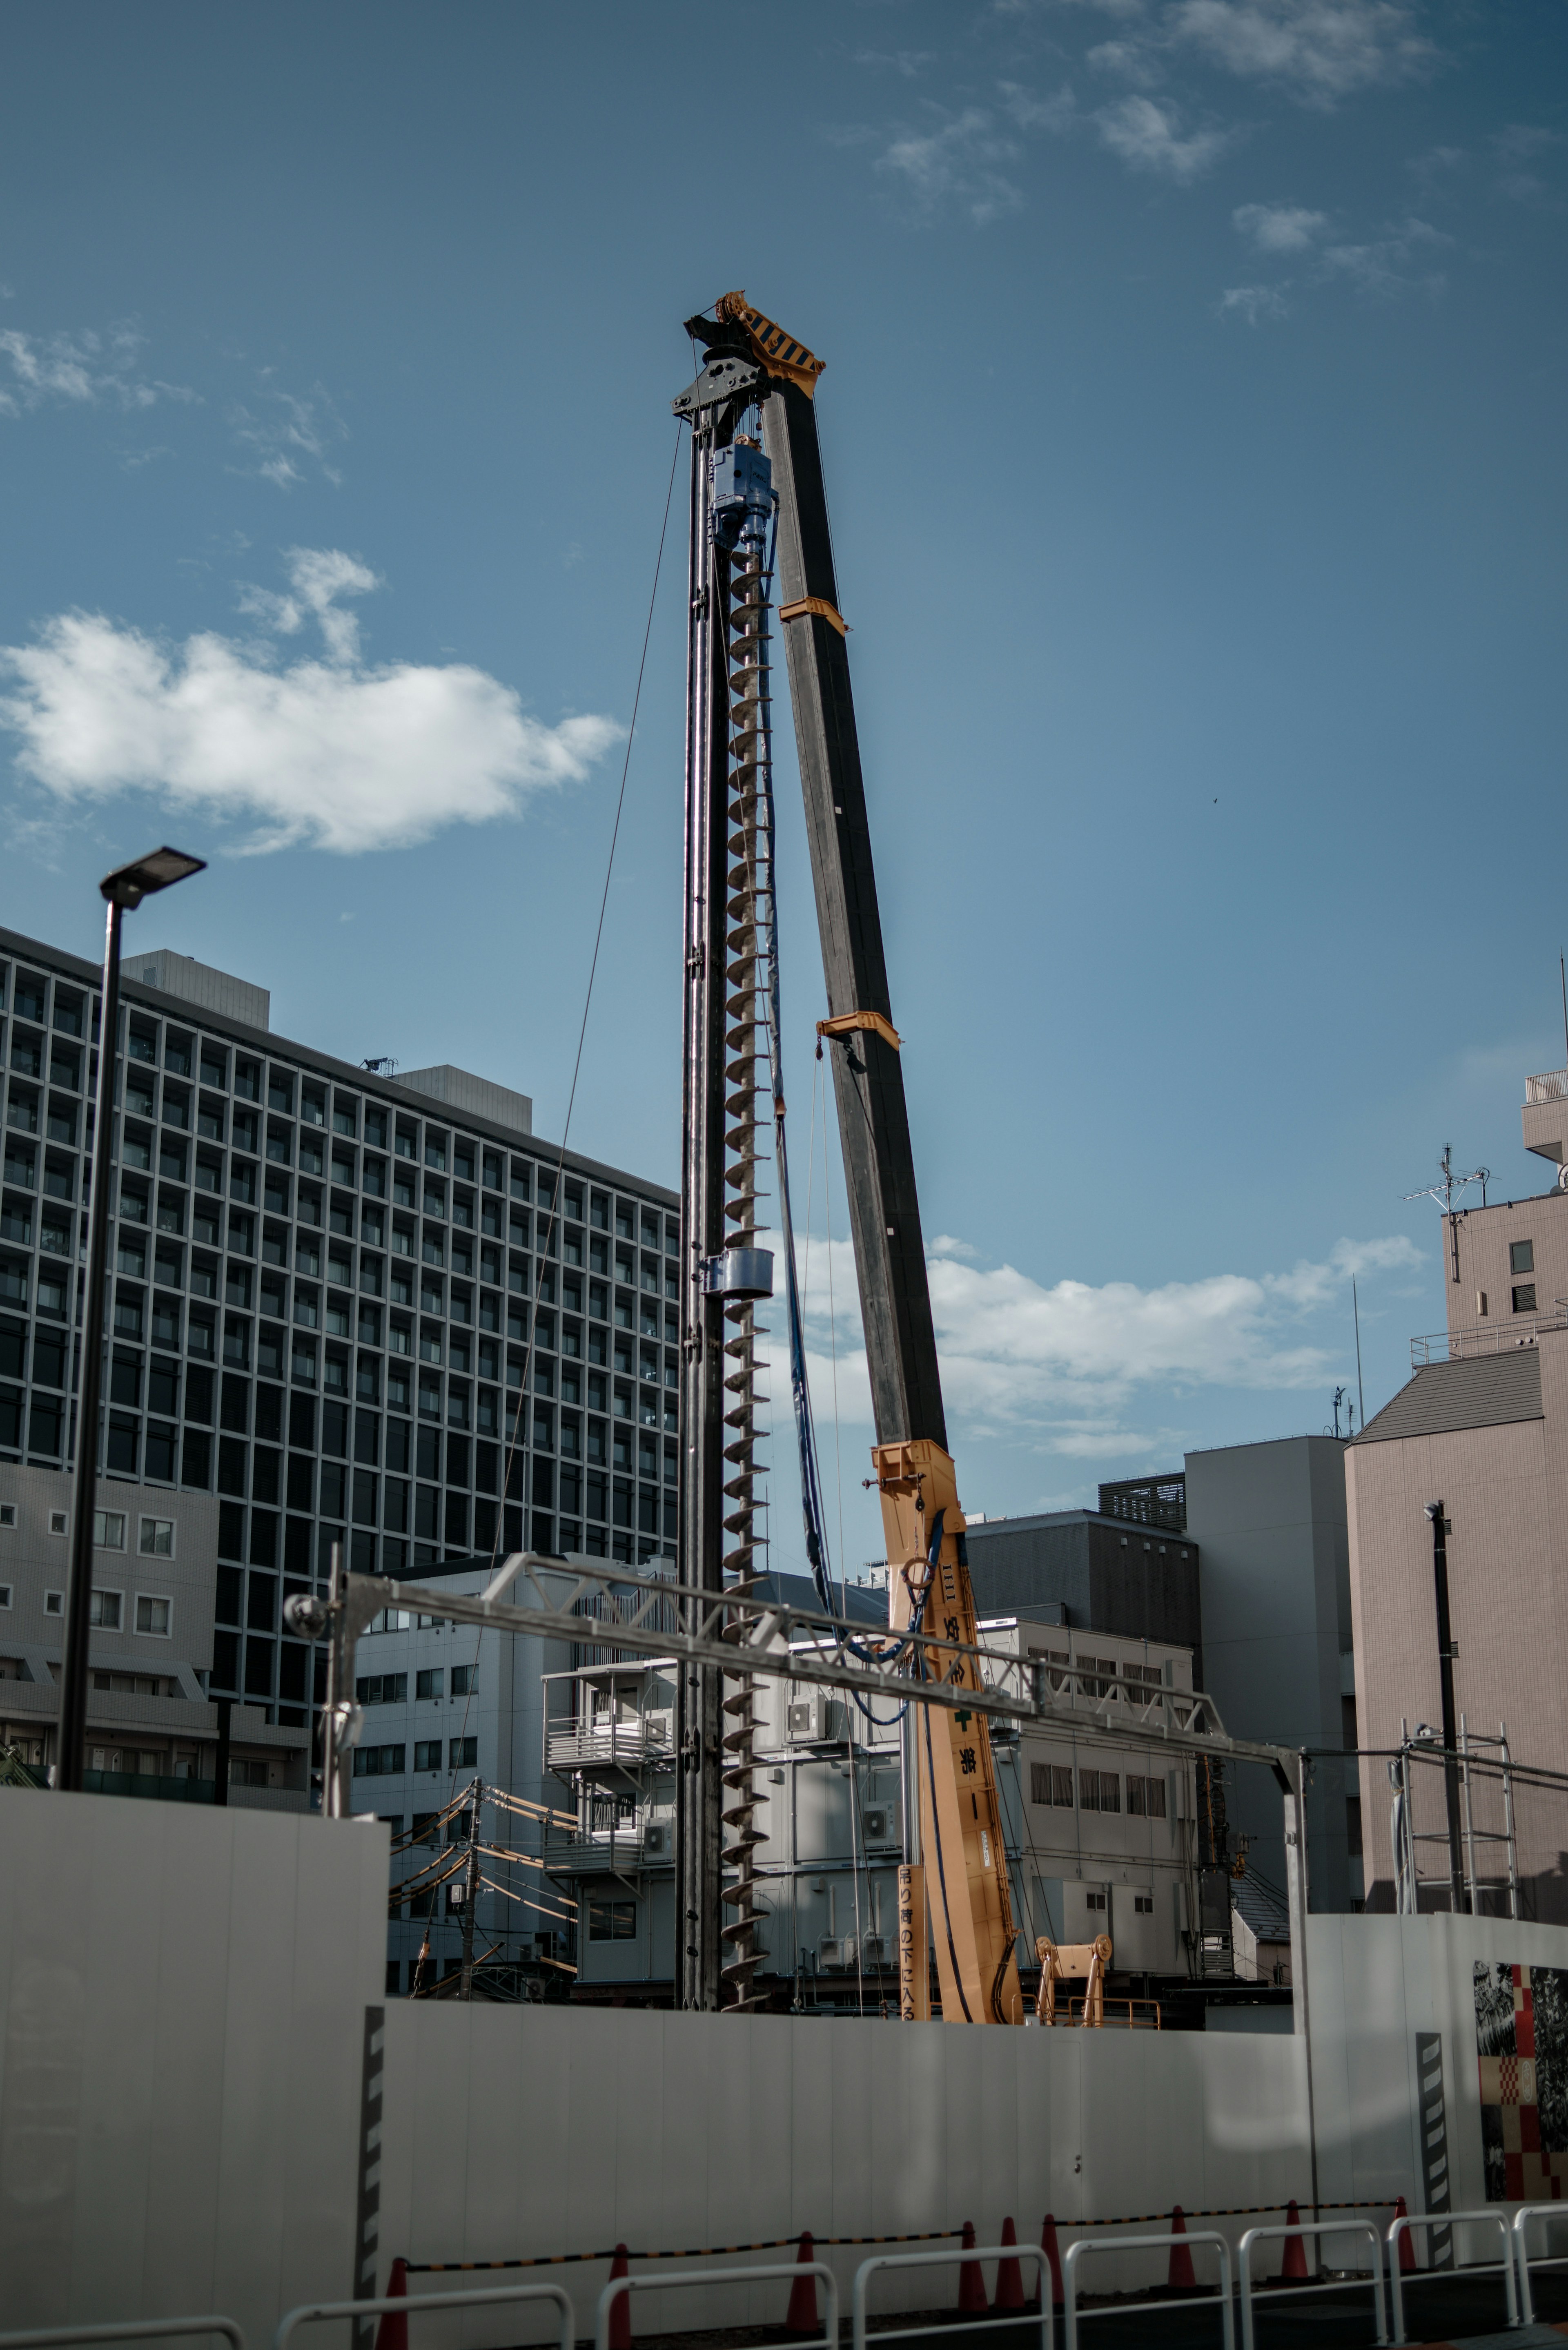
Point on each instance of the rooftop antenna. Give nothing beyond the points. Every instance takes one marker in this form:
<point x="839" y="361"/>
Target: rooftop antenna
<point x="1338" y="1399"/>
<point x="1451" y="1183"/>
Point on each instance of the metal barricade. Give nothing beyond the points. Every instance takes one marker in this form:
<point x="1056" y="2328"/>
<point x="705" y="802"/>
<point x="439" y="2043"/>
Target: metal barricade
<point x="1308" y="2228"/>
<point x="409" y="2305"/>
<point x="947" y="2259"/>
<point x="791" y="2269"/>
<point x="133" y="2329"/>
<point x="1492" y="2217"/>
<point x="1521" y="2218"/>
<point x="1084" y="2244"/>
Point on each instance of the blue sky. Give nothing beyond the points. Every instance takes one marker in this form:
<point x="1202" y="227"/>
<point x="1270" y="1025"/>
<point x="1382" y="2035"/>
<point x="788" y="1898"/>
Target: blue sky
<point x="1192" y="417"/>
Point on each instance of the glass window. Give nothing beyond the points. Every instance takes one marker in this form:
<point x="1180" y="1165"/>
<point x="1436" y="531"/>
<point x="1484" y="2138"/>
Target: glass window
<point x="104" y="1610"/>
<point x="1521" y="1256"/>
<point x="428" y="1683"/>
<point x="153" y="1615"/>
<point x="157" y="1538"/>
<point x="109" y="1529"/>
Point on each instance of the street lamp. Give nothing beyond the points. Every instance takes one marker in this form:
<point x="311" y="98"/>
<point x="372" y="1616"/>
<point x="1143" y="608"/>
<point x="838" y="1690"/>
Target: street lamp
<point x="125" y="890"/>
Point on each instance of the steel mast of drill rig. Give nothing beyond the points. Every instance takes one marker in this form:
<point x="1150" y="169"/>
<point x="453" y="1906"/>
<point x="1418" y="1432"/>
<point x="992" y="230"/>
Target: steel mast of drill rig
<point x="954" y="1845"/>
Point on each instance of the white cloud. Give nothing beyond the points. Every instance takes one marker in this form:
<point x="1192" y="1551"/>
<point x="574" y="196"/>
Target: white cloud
<point x="78" y="371"/>
<point x="288" y="435"/>
<point x="1132" y="60"/>
<point x="1397" y="262"/>
<point x="1147" y="136"/>
<point x="1322" y="50"/>
<point x="1279" y="228"/>
<point x="1254" y="302"/>
<point x="959" y="160"/>
<point x="332" y="754"/>
<point x="1064" y="1362"/>
<point x="1056" y="113"/>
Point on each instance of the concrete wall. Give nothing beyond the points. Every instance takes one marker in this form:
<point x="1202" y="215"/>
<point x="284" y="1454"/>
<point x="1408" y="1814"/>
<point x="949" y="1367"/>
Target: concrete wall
<point x="181" y="2013"/>
<point x="549" y="2129"/>
<point x="1139" y="1582"/>
<point x="183" y="2001"/>
<point x="1270" y="1524"/>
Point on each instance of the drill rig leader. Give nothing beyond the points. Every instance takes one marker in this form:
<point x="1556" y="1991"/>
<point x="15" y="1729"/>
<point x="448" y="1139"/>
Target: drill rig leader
<point x="752" y="507"/>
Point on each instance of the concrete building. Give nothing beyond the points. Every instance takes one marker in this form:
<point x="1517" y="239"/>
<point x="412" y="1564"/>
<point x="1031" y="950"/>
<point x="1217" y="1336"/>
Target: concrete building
<point x="322" y="1283"/>
<point x="1128" y="1568"/>
<point x="1269" y="1521"/>
<point x="1482" y="1426"/>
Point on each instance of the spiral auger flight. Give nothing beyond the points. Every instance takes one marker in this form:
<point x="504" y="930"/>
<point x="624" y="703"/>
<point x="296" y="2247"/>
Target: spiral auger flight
<point x="748" y="947"/>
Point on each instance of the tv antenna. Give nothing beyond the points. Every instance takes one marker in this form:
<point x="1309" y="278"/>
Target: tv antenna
<point x="1450" y="1182"/>
<point x="1339" y="1395"/>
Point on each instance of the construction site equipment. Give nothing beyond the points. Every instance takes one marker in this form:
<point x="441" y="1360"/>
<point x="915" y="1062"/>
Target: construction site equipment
<point x="1070" y="1962"/>
<point x="1280" y="2292"/>
<point x="860" y="2334"/>
<point x="1073" y="2316"/>
<point x="317" y="2312"/>
<point x="795" y="2270"/>
<point x="1398" y="2242"/>
<point x="132" y="2329"/>
<point x="752" y="506"/>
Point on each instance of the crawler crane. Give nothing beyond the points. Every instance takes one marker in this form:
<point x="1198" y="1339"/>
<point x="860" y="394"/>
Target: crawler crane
<point x="758" y="510"/>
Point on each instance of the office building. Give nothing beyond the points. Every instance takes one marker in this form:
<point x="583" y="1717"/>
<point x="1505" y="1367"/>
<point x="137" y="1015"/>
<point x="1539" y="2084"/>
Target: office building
<point x="1269" y="1521"/>
<point x="1482" y="1428"/>
<point x="327" y="1285"/>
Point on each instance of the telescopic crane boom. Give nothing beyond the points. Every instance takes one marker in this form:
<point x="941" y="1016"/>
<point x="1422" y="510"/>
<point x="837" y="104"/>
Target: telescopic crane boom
<point x="955" y="1859"/>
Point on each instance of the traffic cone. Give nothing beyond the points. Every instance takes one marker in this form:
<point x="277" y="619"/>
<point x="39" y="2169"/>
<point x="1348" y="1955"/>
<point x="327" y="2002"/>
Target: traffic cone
<point x="802" y="2318"/>
<point x="1295" y="2268"/>
<point x="1052" y="2258"/>
<point x="1008" y="2276"/>
<point x="621" y="2307"/>
<point x="971" y="2298"/>
<point x="392" y="2334"/>
<point x="1180" y="2277"/>
<point x="1406" y="2240"/>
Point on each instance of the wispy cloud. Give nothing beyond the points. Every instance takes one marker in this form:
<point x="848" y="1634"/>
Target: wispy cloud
<point x="1399" y="261"/>
<point x="1065" y="1362"/>
<point x="1279" y="228"/>
<point x="82" y="371"/>
<point x="906" y="63"/>
<point x="1319" y="51"/>
<point x="285" y="436"/>
<point x="1254" y="302"/>
<point x="328" y="753"/>
<point x="1147" y="136"/>
<point x="1517" y="148"/>
<point x="963" y="158"/>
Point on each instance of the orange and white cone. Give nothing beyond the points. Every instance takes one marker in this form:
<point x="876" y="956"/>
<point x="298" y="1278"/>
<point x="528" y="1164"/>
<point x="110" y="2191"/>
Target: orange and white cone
<point x="392" y="2334"/>
<point x="802" y="2318"/>
<point x="1180" y="2278"/>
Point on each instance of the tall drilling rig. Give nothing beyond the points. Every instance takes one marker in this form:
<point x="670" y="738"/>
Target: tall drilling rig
<point x="759" y="511"/>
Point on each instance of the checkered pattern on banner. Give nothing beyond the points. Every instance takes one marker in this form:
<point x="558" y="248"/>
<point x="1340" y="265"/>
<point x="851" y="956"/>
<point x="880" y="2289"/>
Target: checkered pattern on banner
<point x="1508" y="2085"/>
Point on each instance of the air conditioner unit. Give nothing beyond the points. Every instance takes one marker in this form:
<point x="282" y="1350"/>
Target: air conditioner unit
<point x="877" y="1828"/>
<point x="835" y="1950"/>
<point x="873" y="1950"/>
<point x="805" y="1717"/>
<point x="656" y="1840"/>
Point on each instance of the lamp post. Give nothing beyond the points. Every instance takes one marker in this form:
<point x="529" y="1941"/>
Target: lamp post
<point x="124" y="891"/>
<point x="1456" y="1901"/>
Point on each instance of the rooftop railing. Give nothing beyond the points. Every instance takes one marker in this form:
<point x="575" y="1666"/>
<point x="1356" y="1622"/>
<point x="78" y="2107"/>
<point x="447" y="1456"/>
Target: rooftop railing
<point x="1493" y="1338"/>
<point x="1553" y="1086"/>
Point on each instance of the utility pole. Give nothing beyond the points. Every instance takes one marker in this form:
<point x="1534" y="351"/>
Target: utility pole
<point x="470" y="1890"/>
<point x="1445" y="1654"/>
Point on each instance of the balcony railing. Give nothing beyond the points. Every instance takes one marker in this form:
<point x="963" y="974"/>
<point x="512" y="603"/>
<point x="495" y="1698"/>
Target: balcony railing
<point x="1486" y="1339"/>
<point x="595" y="1739"/>
<point x="1553" y="1086"/>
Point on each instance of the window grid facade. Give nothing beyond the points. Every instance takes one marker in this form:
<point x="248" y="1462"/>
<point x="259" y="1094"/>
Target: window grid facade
<point x="318" y="1299"/>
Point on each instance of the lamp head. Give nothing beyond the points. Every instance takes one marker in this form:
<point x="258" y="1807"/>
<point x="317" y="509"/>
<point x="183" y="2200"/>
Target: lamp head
<point x="129" y="884"/>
